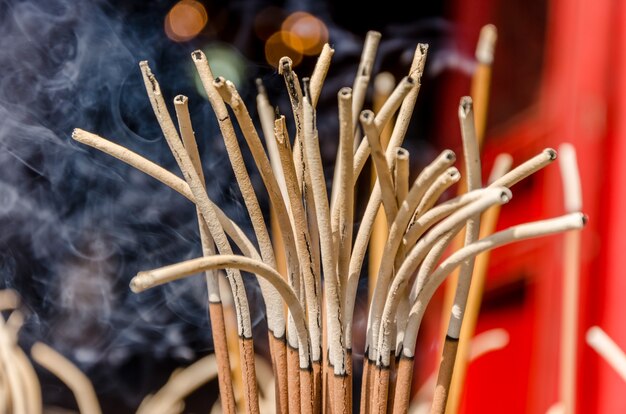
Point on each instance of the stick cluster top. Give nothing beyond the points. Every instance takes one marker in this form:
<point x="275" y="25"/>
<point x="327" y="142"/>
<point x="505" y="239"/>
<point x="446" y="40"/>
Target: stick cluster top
<point x="309" y="262"/>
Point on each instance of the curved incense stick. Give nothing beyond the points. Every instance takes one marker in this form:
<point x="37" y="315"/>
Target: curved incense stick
<point x="444" y="181"/>
<point x="293" y="249"/>
<point x="180" y="384"/>
<point x="608" y="349"/>
<point x="472" y="228"/>
<point x="513" y="234"/>
<point x="32" y="387"/>
<point x="216" y="312"/>
<point x="520" y="232"/>
<point x="382" y="169"/>
<point x="384" y="115"/>
<point x="217" y="232"/>
<point x="149" y="279"/>
<point x="396" y="230"/>
<point x="319" y="72"/>
<point x="382" y="320"/>
<point x="10" y="367"/>
<point x="71" y="376"/>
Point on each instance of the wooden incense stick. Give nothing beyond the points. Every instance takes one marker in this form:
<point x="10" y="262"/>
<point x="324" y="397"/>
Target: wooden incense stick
<point x="71" y="376"/>
<point x="319" y="73"/>
<point x="513" y="234"/>
<point x="488" y="223"/>
<point x="472" y="228"/>
<point x="502" y="165"/>
<point x="16" y="393"/>
<point x="186" y="165"/>
<point x="216" y="311"/>
<point x="364" y="72"/>
<point x="608" y="349"/>
<point x="384" y="84"/>
<point x="571" y="282"/>
<point x="181" y="383"/>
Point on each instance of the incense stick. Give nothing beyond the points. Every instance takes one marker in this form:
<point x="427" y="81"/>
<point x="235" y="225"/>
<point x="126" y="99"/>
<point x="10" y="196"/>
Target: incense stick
<point x="513" y="234"/>
<point x="501" y="166"/>
<point x="71" y="376"/>
<point x="608" y="349"/>
<point x="185" y="164"/>
<point x="481" y="80"/>
<point x="571" y="281"/>
<point x="216" y="312"/>
<point x="319" y="73"/>
<point x="472" y="166"/>
<point x="181" y="383"/>
<point x="364" y="72"/>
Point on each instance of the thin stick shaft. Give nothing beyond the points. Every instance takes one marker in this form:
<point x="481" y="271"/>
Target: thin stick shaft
<point x="71" y="376"/>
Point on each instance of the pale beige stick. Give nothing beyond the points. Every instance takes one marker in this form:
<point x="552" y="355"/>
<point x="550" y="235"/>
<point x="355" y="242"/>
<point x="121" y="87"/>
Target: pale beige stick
<point x="404" y="113"/>
<point x="383" y="117"/>
<point x="176" y="183"/>
<point x="292" y="250"/>
<point x="336" y="348"/>
<point x="397" y="229"/>
<point x="482" y="78"/>
<point x="71" y="376"/>
<point x="8" y="341"/>
<point x="516" y="233"/>
<point x="32" y="387"/>
<point x="414" y="259"/>
<point x="473" y="175"/>
<point x="483" y="343"/>
<point x="488" y="223"/>
<point x="186" y="166"/>
<point x="208" y="249"/>
<point x="568" y="371"/>
<point x="181" y="383"/>
<point x="401" y="175"/>
<point x="296" y="98"/>
<point x="235" y="156"/>
<point x="445" y="180"/>
<point x="508" y="180"/>
<point x="364" y="72"/>
<point x="608" y="349"/>
<point x="319" y="73"/>
<point x="148" y="279"/>
<point x="343" y="214"/>
<point x="382" y="169"/>
<point x="302" y="236"/>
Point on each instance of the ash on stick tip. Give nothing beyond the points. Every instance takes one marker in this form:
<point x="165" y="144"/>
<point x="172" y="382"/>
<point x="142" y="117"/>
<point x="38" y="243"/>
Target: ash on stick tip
<point x="450" y="155"/>
<point x="402" y="153"/>
<point x="284" y="65"/>
<point x="551" y="153"/>
<point x="260" y="87"/>
<point x="466" y="105"/>
<point x="180" y="99"/>
<point x="366" y="115"/>
<point x="486" y="44"/>
<point x="197" y="55"/>
<point x="345" y="91"/>
<point x="584" y="219"/>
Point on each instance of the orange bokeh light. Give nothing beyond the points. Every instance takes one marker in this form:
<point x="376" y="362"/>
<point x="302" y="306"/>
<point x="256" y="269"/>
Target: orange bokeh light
<point x="185" y="20"/>
<point x="283" y="44"/>
<point x="310" y="31"/>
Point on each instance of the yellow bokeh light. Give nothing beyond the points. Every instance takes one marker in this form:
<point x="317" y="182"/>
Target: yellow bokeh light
<point x="185" y="20"/>
<point x="310" y="31"/>
<point x="283" y="44"/>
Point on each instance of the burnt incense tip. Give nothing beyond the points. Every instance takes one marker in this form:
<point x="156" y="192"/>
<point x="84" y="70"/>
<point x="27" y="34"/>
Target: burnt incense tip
<point x="584" y="219"/>
<point x="219" y="80"/>
<point x="454" y="173"/>
<point x="450" y="155"/>
<point x="140" y="282"/>
<point x="284" y="65"/>
<point x="75" y="133"/>
<point x="345" y="92"/>
<point x="402" y="153"/>
<point x="506" y="195"/>
<point x="366" y="115"/>
<point x="551" y="153"/>
<point x="197" y="55"/>
<point x="306" y="87"/>
<point x="180" y="99"/>
<point x="466" y="105"/>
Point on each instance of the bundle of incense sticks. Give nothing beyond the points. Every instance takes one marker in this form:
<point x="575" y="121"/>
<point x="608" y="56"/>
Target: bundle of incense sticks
<point x="310" y="306"/>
